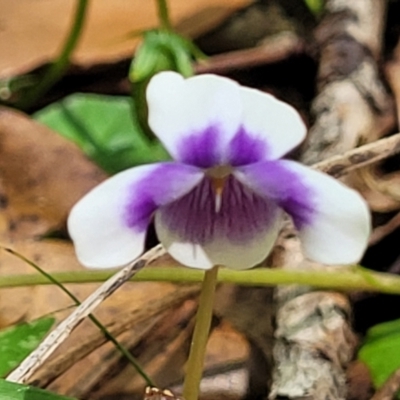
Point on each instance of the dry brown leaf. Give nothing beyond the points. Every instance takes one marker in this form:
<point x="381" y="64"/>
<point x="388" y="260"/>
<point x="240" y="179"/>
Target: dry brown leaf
<point x="57" y="255"/>
<point x="162" y="353"/>
<point x="42" y="174"/>
<point x="105" y="371"/>
<point x="32" y="31"/>
<point x="32" y="302"/>
<point x="225" y="348"/>
<point x="225" y="344"/>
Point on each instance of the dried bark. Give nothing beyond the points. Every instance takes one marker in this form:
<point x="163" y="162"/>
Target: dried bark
<point x="382" y="188"/>
<point x="314" y="340"/>
<point x="352" y="106"/>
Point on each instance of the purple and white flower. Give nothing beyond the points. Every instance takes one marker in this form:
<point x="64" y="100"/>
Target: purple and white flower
<point x="223" y="200"/>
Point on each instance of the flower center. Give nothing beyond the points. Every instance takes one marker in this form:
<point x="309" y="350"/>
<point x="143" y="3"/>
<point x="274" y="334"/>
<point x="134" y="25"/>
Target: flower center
<point x="217" y="176"/>
<point x="219" y="172"/>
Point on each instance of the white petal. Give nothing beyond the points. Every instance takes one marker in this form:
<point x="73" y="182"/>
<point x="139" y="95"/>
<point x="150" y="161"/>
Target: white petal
<point x="333" y="220"/>
<point x="272" y="121"/>
<point x="109" y="224"/>
<point x="340" y="231"/>
<point x="182" y="111"/>
<point x="219" y="252"/>
<point x="239" y="234"/>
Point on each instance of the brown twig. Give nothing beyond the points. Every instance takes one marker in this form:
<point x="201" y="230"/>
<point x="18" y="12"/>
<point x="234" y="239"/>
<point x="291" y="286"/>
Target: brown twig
<point x="360" y="157"/>
<point x="276" y="49"/>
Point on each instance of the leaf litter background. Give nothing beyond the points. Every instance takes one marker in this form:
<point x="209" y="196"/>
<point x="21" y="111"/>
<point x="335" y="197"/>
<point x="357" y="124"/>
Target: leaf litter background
<point x="43" y="174"/>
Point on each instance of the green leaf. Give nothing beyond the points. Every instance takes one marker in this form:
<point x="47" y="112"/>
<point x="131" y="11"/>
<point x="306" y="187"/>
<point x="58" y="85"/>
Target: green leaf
<point x="315" y="6"/>
<point x="380" y="331"/>
<point x="381" y="351"/>
<point x="16" y="342"/>
<point x="15" y="391"/>
<point x="105" y="128"/>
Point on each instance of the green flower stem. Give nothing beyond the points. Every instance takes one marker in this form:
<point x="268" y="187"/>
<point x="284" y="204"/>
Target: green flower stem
<point x="163" y="15"/>
<point x="194" y="368"/>
<point x="51" y="279"/>
<point x="352" y="278"/>
<point x="58" y="67"/>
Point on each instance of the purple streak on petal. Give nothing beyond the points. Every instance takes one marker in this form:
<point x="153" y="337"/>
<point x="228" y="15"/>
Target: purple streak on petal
<point x="273" y="180"/>
<point x="165" y="184"/>
<point x="242" y="215"/>
<point x="246" y="149"/>
<point x="201" y="149"/>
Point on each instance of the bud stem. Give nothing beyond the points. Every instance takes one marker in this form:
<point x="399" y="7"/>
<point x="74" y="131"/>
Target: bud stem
<point x="163" y="15"/>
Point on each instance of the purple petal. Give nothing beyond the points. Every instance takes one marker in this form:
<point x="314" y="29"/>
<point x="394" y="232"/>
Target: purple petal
<point x="273" y="180"/>
<point x="109" y="224"/>
<point x="164" y="184"/>
<point x="201" y="148"/>
<point x="242" y="215"/>
<point x="239" y="233"/>
<point x="333" y="220"/>
<point x="245" y="148"/>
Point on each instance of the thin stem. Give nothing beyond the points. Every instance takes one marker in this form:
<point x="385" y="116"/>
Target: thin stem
<point x="342" y="279"/>
<point x="57" y="68"/>
<point x="99" y="325"/>
<point x="194" y="370"/>
<point x="163" y="15"/>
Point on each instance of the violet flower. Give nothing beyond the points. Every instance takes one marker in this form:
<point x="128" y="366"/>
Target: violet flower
<point x="223" y="200"/>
